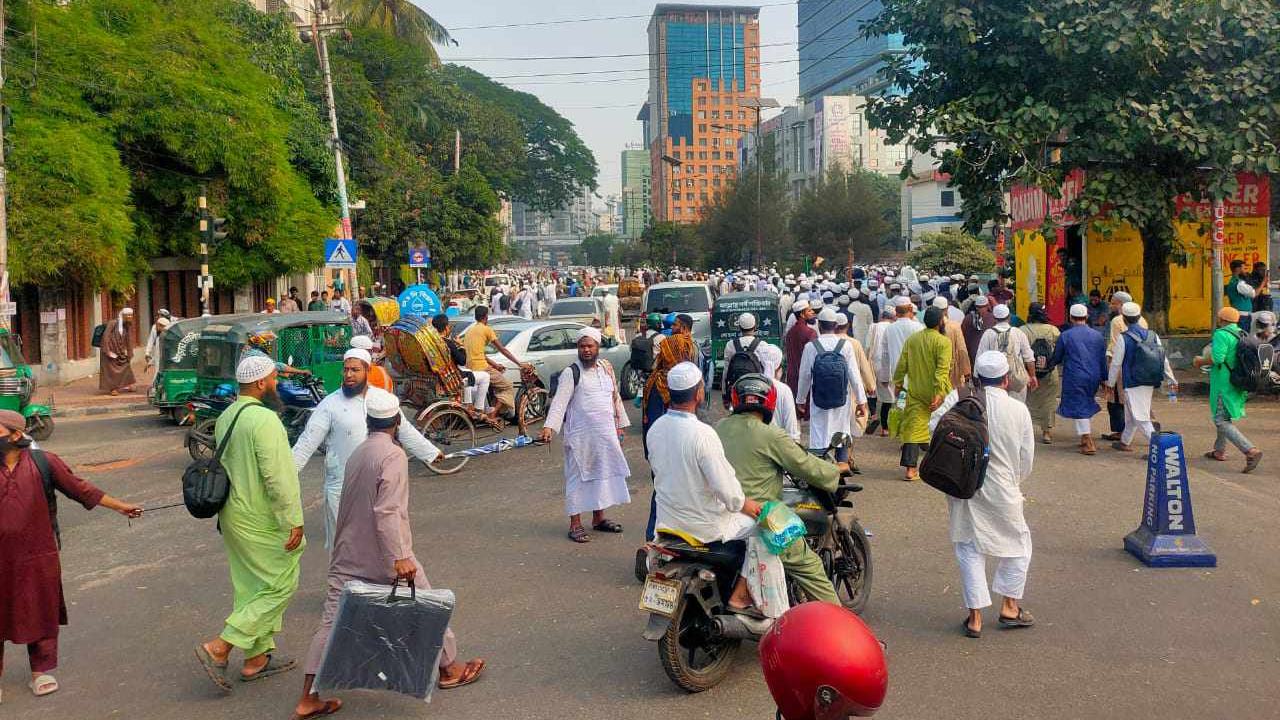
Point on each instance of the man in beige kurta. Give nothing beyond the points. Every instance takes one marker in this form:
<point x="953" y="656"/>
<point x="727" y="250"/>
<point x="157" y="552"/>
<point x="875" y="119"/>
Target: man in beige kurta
<point x="961" y="368"/>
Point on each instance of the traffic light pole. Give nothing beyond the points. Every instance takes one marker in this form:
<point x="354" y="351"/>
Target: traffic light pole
<point x="204" y="253"/>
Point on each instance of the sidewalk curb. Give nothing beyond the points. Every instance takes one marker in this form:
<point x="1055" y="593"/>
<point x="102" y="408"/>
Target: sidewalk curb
<point x="113" y="409"/>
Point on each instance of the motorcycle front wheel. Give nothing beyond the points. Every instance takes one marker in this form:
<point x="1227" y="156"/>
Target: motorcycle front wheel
<point x="690" y="658"/>
<point x="200" y="439"/>
<point x="851" y="566"/>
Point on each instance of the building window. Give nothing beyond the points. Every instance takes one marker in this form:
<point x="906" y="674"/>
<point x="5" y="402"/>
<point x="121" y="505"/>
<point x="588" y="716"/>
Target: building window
<point x="715" y="99"/>
<point x="703" y="197"/>
<point x="702" y="155"/>
<point x="702" y="141"/>
<point x="948" y="198"/>
<point x="702" y="183"/>
<point x="688" y="155"/>
<point x="702" y="114"/>
<point x="702" y="128"/>
<point x="716" y="181"/>
<point x="675" y="169"/>
<point x="742" y="114"/>
<point x="688" y="196"/>
<point x="688" y="182"/>
<point x="702" y="101"/>
<point x="702" y="169"/>
<point x="742" y="128"/>
<point x="715" y="114"/>
<point x="728" y="154"/>
<point x="715" y="142"/>
<point x="715" y="155"/>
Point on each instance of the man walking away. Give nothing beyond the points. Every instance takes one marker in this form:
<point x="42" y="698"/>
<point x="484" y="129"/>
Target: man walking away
<point x="1139" y="369"/>
<point x="924" y="371"/>
<point x="32" y="604"/>
<point x="153" y="346"/>
<point x="589" y="409"/>
<point x="373" y="543"/>
<point x="829" y="373"/>
<point x="991" y="523"/>
<point x="1081" y="356"/>
<point x="1014" y="345"/>
<point x="879" y="353"/>
<point x="977" y="320"/>
<point x="1043" y="400"/>
<point x="261" y="525"/>
<point x="115" y="361"/>
<point x="1226" y="401"/>
<point x="798" y="335"/>
<point x="961" y="366"/>
<point x="757" y="355"/>
<point x="1116" y="326"/>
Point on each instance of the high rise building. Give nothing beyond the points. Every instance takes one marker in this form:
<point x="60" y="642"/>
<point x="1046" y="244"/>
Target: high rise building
<point x="834" y="57"/>
<point x="704" y="62"/>
<point x="636" y="179"/>
<point x="552" y="235"/>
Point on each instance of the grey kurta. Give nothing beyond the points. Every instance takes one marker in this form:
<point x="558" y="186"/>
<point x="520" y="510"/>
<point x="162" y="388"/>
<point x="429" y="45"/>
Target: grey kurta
<point x="371" y="534"/>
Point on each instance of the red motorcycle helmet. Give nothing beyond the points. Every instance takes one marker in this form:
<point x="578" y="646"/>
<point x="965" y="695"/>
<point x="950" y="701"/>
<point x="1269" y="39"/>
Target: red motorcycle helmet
<point x="822" y="662"/>
<point x="754" y="392"/>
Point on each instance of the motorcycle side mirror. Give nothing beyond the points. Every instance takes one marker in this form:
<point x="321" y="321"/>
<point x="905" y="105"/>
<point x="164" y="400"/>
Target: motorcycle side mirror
<point x="840" y="440"/>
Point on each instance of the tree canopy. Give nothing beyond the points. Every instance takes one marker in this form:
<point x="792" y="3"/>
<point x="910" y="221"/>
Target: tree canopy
<point x="848" y="211"/>
<point x="947" y="253"/>
<point x="1152" y="98"/>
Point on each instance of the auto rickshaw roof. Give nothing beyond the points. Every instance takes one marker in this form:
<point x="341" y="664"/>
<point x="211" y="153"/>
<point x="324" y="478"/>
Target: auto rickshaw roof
<point x="238" y="328"/>
<point x="179" y="329"/>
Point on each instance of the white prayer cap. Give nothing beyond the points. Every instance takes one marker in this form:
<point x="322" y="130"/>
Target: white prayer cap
<point x="683" y="376"/>
<point x="940" y="302"/>
<point x="828" y="315"/>
<point x="991" y="364"/>
<point x="1001" y="312"/>
<point x="842" y="300"/>
<point x="842" y="320"/>
<point x="254" y="368"/>
<point x="1121" y="296"/>
<point x="1131" y="309"/>
<point x="127" y="311"/>
<point x="901" y="301"/>
<point x="854" y="294"/>
<point x="359" y="354"/>
<point x="747" y="321"/>
<point x="364" y="342"/>
<point x="380" y="404"/>
<point x="590" y="332"/>
<point x="980" y="301"/>
<point x="1079" y="311"/>
<point x="799" y="305"/>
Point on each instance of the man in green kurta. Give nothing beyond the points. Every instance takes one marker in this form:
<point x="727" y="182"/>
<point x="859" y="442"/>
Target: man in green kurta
<point x="261" y="526"/>
<point x="925" y="365"/>
<point x="759" y="452"/>
<point x="1226" y="401"/>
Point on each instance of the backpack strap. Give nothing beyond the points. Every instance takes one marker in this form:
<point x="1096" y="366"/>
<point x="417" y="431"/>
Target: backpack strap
<point x="219" y="447"/>
<point x="737" y="345"/>
<point x="46" y="479"/>
<point x="839" y="346"/>
<point x="755" y="343"/>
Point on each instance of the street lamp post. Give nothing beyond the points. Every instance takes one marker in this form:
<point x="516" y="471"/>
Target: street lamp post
<point x="759" y="104"/>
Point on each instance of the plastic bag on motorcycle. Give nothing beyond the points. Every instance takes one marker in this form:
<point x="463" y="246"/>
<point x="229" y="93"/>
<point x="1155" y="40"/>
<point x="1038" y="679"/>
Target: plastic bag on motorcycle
<point x="386" y="639"/>
<point x="766" y="579"/>
<point x="778" y="526"/>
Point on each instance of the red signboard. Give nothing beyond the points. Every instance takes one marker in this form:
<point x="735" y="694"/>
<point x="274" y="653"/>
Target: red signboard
<point x="1252" y="198"/>
<point x="1030" y="205"/>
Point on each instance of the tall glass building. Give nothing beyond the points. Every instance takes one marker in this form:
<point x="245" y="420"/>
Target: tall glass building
<point x="704" y="61"/>
<point x="636" y="180"/>
<point x="834" y="57"/>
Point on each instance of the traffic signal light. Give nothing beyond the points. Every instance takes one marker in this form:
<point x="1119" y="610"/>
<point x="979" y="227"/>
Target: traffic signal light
<point x="217" y="229"/>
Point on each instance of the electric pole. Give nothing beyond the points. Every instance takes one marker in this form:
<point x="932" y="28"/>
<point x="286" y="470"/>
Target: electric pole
<point x="5" y="317"/>
<point x="211" y="231"/>
<point x="322" y="52"/>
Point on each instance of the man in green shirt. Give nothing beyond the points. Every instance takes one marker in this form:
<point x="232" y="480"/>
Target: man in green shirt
<point x="261" y="525"/>
<point x="759" y="452"/>
<point x="316" y="303"/>
<point x="1226" y="401"/>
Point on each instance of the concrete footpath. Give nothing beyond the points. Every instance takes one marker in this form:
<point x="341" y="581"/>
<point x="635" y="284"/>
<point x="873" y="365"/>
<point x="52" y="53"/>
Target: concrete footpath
<point x="81" y="398"/>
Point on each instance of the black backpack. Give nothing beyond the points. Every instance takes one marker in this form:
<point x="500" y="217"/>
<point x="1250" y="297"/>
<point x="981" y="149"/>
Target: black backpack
<point x="956" y="461"/>
<point x="1254" y="362"/>
<point x="1043" y="351"/>
<point x="555" y="380"/>
<point x="743" y="362"/>
<point x="1148" y="359"/>
<point x="642" y="352"/>
<point x="51" y="497"/>
<point x="205" y="484"/>
<point x="98" y="332"/>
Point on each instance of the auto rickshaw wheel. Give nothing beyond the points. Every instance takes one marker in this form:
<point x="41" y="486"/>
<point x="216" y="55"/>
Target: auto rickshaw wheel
<point x="40" y="427"/>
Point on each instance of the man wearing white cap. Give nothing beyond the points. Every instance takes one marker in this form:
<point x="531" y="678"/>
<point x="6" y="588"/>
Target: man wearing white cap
<point x="589" y="409"/>
<point x="261" y="526"/>
<point x="767" y="356"/>
<point x="1016" y="347"/>
<point x="860" y="318"/>
<point x="991" y="523"/>
<point x="152" y="348"/>
<point x="798" y="335"/>
<point x="829" y="373"/>
<point x="895" y="336"/>
<point x="1128" y="371"/>
<point x="884" y="397"/>
<point x="373" y="543"/>
<point x="338" y="422"/>
<point x="1116" y="327"/>
<point x="1081" y="354"/>
<point x="977" y="320"/>
<point x="115" y="368"/>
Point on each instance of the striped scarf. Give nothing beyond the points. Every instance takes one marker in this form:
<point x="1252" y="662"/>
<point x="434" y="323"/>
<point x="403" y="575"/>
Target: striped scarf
<point x="671" y="352"/>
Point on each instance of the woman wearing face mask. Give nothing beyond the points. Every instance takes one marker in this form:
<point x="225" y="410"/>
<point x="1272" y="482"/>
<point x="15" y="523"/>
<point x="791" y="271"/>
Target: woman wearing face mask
<point x="31" y="600"/>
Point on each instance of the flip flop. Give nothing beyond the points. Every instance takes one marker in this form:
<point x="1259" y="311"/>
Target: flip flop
<point x="1024" y="619"/>
<point x="968" y="631"/>
<point x="470" y="673"/>
<point x="607" y="525"/>
<point x="1213" y="455"/>
<point x="43" y="685"/>
<point x="579" y="535"/>
<point x="274" y="666"/>
<point x="330" y="707"/>
<point x="213" y="668"/>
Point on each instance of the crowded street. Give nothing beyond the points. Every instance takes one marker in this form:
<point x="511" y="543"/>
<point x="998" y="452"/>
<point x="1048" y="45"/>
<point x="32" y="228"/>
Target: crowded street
<point x="558" y="622"/>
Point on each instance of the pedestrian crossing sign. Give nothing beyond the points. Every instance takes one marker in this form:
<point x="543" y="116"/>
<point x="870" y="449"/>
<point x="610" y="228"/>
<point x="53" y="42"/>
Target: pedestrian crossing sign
<point x="340" y="253"/>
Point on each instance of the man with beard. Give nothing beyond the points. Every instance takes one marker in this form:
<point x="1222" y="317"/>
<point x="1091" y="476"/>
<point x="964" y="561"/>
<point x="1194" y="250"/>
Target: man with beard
<point x="338" y="422"/>
<point x="115" y="369"/>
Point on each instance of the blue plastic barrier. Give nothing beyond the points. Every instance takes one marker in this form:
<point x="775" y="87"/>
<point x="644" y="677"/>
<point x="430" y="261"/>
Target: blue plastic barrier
<point x="1167" y="536"/>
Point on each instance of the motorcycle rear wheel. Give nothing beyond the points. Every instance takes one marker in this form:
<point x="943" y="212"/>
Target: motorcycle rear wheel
<point x="685" y="642"/>
<point x="200" y="439"/>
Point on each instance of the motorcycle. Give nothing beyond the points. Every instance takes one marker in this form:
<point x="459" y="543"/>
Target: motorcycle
<point x="299" y="395"/>
<point x="687" y="589"/>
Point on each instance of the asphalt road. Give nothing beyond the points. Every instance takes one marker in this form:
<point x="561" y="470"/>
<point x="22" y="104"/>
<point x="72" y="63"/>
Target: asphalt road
<point x="559" y="625"/>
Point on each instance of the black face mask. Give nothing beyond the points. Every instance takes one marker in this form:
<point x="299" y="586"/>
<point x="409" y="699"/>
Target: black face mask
<point x="7" y="443"/>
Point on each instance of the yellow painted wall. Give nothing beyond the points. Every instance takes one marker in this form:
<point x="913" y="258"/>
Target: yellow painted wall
<point x="1029" y="251"/>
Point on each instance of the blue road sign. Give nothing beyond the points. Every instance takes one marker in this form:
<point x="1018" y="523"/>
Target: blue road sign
<point x="1167" y="536"/>
<point x="419" y="257"/>
<point x="419" y="300"/>
<point x="340" y="253"/>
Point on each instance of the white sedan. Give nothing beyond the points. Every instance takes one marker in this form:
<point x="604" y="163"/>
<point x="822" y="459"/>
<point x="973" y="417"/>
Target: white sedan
<point x="550" y="346"/>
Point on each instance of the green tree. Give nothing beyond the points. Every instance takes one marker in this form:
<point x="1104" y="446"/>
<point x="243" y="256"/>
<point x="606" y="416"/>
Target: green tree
<point x="847" y="212"/>
<point x="669" y="242"/>
<point x="730" y="224"/>
<point x="596" y="249"/>
<point x="401" y="19"/>
<point x="1152" y="99"/>
<point x="947" y="253"/>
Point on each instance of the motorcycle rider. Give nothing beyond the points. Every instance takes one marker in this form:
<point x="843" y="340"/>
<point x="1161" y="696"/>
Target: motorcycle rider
<point x="759" y="453"/>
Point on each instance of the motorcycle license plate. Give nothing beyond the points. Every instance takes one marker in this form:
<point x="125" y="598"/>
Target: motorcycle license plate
<point x="660" y="596"/>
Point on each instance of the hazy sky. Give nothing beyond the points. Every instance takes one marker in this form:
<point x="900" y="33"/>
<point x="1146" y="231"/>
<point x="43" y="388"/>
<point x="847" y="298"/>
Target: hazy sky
<point x="602" y="106"/>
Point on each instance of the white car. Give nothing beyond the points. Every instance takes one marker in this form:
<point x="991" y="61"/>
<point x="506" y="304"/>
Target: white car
<point x="550" y="346"/>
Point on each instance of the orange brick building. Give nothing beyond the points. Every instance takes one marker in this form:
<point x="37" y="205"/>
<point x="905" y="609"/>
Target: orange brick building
<point x="704" y="62"/>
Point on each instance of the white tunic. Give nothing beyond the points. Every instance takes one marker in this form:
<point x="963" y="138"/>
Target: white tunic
<point x="895" y="336"/>
<point x="1019" y="345"/>
<point x="876" y="351"/>
<point x="860" y="322"/>
<point x="784" y="413"/>
<point x="1137" y="398"/>
<point x="824" y="423"/>
<point x="611" y="317"/>
<point x="595" y="470"/>
<point x="769" y="355"/>
<point x="695" y="487"/>
<point x="339" y="423"/>
<point x="525" y="303"/>
<point x="992" y="519"/>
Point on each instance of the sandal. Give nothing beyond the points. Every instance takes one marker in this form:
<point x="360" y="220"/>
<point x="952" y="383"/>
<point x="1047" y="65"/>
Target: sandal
<point x="213" y="668"/>
<point x="969" y="631"/>
<point x="579" y="534"/>
<point x="330" y="707"/>
<point x="273" y="667"/>
<point x="1024" y="619"/>
<point x="470" y="673"/>
<point x="45" y="684"/>
<point x="607" y="525"/>
<point x="1215" y="455"/>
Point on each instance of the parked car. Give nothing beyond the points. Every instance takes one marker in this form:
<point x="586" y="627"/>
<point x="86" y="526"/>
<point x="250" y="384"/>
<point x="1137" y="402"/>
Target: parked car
<point x="579" y="309"/>
<point x="688" y="298"/>
<point x="550" y="346"/>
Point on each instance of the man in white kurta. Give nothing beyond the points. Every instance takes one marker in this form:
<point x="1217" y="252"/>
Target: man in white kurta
<point x="991" y="523"/>
<point x="1000" y="338"/>
<point x="590" y="414"/>
<point x="1137" y="398"/>
<point x="877" y="351"/>
<point x="612" y="318"/>
<point x="860" y="318"/>
<point x="824" y="422"/>
<point x="895" y="336"/>
<point x="338" y="423"/>
<point x="525" y="302"/>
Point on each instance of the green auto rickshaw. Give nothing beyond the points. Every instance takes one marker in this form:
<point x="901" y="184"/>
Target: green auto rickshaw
<point x="18" y="384"/>
<point x="310" y="341"/>
<point x="175" y="380"/>
<point x="724" y="322"/>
